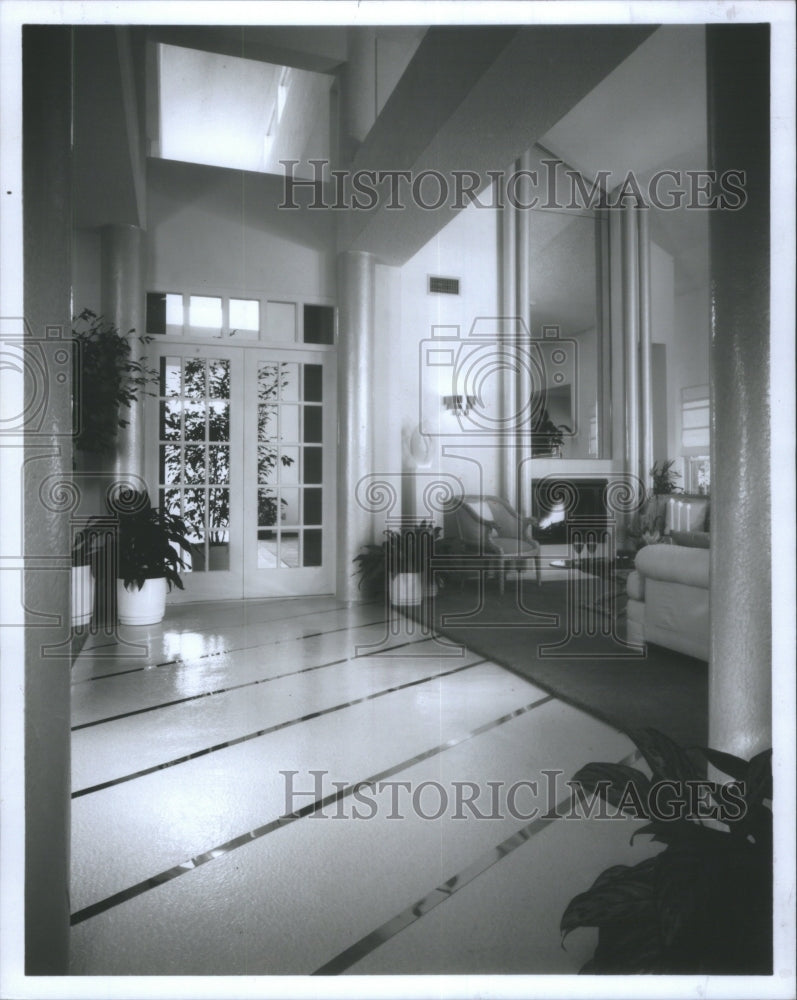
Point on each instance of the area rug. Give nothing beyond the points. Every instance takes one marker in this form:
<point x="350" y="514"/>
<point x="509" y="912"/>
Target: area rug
<point x="568" y="638"/>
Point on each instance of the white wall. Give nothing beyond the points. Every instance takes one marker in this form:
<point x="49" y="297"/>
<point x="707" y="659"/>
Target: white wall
<point x="219" y="230"/>
<point x="662" y="325"/>
<point x="692" y="334"/>
<point x="682" y="324"/>
<point x="466" y="249"/>
<point x="586" y="394"/>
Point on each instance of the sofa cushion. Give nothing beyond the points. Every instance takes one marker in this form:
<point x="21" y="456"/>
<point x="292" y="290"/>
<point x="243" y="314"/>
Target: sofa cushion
<point x="691" y="539"/>
<point x="675" y="564"/>
<point x="678" y="616"/>
<point x="635" y="586"/>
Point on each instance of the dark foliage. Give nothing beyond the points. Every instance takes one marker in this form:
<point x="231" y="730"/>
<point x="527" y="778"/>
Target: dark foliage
<point x="663" y="479"/>
<point x="404" y="551"/>
<point x="147" y="540"/>
<point x="106" y="379"/>
<point x="703" y="905"/>
<point x="547" y="437"/>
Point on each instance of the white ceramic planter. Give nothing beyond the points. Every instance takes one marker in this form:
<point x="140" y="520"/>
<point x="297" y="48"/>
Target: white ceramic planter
<point x="406" y="589"/>
<point x="82" y="595"/>
<point x="141" y="607"/>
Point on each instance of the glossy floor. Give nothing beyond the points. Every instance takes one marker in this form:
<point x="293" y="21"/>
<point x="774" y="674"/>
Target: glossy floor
<point x="300" y="786"/>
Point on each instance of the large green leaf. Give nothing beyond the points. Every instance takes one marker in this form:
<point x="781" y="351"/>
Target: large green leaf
<point x="617" y="894"/>
<point x="628" y="946"/>
<point x="665" y="758"/>
<point x="684" y="833"/>
<point x="734" y="767"/>
<point x="759" y="779"/>
<point x="704" y="904"/>
<point x="611" y="780"/>
<point x="681" y="887"/>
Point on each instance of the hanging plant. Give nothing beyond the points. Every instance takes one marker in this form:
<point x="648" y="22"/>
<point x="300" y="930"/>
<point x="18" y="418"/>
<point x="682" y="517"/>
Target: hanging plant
<point x="107" y="381"/>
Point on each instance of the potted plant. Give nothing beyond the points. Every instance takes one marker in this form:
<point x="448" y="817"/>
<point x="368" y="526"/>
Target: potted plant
<point x="82" y="578"/>
<point x="400" y="564"/>
<point x="106" y="378"/>
<point x="148" y="544"/>
<point x="703" y="905"/>
<point x="649" y="525"/>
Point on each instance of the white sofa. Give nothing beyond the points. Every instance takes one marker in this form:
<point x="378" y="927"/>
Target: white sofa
<point x="668" y="598"/>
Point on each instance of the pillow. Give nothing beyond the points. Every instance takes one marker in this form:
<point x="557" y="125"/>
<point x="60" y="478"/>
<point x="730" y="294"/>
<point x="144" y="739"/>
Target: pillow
<point x="692" y="539"/>
<point x="685" y="515"/>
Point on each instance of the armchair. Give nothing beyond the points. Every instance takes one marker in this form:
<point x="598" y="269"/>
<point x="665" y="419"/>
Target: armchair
<point x="488" y="527"/>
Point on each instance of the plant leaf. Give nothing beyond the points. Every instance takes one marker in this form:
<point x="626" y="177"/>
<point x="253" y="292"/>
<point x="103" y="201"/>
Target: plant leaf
<point x="664" y="757"/>
<point x="680" y="888"/>
<point x="593" y="777"/>
<point x="734" y="767"/>
<point x="619" y="893"/>
<point x="628" y="947"/>
<point x="759" y="779"/>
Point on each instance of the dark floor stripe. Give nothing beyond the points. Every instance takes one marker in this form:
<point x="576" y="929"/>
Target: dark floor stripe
<point x="353" y="954"/>
<point x="232" y="687"/>
<point x="245" y="838"/>
<point x="223" y="652"/>
<point x="269" y="730"/>
<point x="204" y="694"/>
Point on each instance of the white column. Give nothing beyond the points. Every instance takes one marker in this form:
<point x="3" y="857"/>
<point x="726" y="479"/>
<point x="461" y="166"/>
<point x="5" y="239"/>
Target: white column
<point x="507" y="263"/>
<point x="524" y="388"/>
<point x="645" y="350"/>
<point x="631" y="339"/>
<point x="123" y="305"/>
<point x="47" y="77"/>
<point x="740" y="666"/>
<point x="355" y="400"/>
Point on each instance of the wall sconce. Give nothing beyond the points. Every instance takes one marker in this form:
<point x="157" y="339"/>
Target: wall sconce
<point x="458" y="405"/>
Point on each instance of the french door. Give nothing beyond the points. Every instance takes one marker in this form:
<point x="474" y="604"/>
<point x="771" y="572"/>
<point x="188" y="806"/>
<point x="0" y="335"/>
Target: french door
<point x="241" y="445"/>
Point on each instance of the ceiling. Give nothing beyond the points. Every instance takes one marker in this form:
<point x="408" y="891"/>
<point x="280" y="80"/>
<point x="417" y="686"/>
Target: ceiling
<point x="649" y="114"/>
<point x="600" y="98"/>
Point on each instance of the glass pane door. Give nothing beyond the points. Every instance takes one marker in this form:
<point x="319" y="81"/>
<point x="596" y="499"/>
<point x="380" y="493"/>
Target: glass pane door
<point x="290" y="505"/>
<point x="241" y="446"/>
<point x="199" y="466"/>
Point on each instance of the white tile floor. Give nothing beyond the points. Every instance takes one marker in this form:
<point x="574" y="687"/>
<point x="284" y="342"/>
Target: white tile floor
<point x="181" y="863"/>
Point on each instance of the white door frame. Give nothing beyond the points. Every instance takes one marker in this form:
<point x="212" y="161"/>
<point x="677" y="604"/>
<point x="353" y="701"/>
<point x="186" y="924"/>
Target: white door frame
<point x="244" y="578"/>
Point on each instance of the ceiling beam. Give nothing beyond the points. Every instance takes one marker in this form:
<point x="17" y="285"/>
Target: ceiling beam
<point x="473" y="99"/>
<point x="108" y="161"/>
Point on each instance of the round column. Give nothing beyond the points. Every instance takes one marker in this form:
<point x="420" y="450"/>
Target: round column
<point x="507" y="472"/>
<point x="356" y="271"/>
<point x="46" y="452"/>
<point x="631" y="338"/>
<point x="521" y="499"/>
<point x="645" y="346"/>
<point x="740" y="667"/>
<point x="123" y="305"/>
